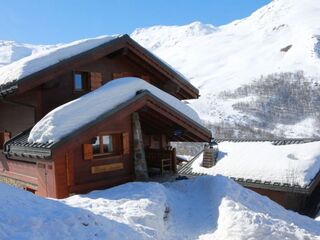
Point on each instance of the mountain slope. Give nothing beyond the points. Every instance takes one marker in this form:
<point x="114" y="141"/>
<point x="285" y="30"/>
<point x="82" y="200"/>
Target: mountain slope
<point x="258" y="77"/>
<point x="11" y="51"/>
<point x="280" y="38"/>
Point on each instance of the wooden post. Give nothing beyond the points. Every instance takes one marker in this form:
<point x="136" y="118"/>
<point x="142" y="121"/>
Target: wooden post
<point x="140" y="163"/>
<point x="174" y="160"/>
<point x="4" y="136"/>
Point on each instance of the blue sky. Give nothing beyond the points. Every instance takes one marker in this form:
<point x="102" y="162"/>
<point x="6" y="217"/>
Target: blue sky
<point x="54" y="21"/>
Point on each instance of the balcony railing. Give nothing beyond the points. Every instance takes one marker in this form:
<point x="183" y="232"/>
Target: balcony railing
<point x="164" y="159"/>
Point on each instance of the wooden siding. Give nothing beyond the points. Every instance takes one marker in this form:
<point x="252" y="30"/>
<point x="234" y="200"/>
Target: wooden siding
<point x="293" y="201"/>
<point x="20" y="112"/>
<point x="123" y="46"/>
<point x="76" y="174"/>
<point x="69" y="171"/>
<point x="22" y="171"/>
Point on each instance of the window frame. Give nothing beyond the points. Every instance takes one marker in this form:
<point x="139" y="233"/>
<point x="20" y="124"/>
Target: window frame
<point x="115" y="143"/>
<point x="84" y="81"/>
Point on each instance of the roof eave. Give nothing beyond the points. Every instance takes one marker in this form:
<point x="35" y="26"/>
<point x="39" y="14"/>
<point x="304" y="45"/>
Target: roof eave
<point x="170" y="71"/>
<point x="186" y="170"/>
<point x="16" y="85"/>
<point x="142" y="94"/>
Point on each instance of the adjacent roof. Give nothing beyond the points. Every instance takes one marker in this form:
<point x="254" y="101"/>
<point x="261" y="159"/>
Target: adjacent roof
<point x="283" y="165"/>
<point x="68" y="119"/>
<point x="19" y="146"/>
<point x="37" y="66"/>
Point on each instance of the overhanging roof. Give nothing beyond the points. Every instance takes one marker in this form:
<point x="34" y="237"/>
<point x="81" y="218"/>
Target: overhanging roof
<point x="35" y="79"/>
<point x="19" y="148"/>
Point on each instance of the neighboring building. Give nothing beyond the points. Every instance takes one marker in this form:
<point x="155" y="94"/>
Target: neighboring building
<point x="287" y="171"/>
<point x="118" y="123"/>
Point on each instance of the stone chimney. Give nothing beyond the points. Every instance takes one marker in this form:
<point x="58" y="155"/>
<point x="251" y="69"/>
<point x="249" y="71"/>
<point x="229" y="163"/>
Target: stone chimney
<point x="210" y="154"/>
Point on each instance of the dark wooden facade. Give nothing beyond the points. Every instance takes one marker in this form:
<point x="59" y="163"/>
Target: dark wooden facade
<point x="67" y="169"/>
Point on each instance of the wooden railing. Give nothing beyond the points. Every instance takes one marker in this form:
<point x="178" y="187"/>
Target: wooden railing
<point x="164" y="159"/>
<point x="4" y="136"/>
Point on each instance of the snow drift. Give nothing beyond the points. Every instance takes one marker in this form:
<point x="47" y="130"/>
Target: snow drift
<point x="201" y="208"/>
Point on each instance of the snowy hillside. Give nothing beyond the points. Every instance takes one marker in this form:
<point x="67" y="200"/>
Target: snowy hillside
<point x="258" y="77"/>
<point x="276" y="42"/>
<point x="201" y="208"/>
<point x="11" y="51"/>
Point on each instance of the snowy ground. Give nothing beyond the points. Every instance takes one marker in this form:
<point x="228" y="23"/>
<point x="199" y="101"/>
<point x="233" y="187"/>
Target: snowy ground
<point x="201" y="208"/>
<point x="218" y="59"/>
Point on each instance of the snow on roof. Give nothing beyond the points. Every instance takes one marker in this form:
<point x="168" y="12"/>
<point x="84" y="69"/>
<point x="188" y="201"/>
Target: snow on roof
<point x="293" y="164"/>
<point x="67" y="118"/>
<point x="43" y="59"/>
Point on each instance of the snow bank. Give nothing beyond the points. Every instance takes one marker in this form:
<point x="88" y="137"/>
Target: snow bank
<point x="201" y="208"/>
<point x="293" y="164"/>
<point x="25" y="216"/>
<point x="69" y="117"/>
<point x="42" y="59"/>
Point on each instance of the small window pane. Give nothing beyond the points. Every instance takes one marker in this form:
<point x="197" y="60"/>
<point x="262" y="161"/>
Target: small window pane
<point x="78" y="82"/>
<point x="107" y="144"/>
<point x="96" y="145"/>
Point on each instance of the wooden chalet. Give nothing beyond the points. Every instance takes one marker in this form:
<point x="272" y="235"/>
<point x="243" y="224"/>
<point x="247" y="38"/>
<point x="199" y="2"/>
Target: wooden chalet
<point x="303" y="199"/>
<point x="114" y="147"/>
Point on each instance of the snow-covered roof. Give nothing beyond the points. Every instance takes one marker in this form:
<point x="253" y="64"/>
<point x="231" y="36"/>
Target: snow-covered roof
<point x="48" y="57"/>
<point x="69" y="117"/>
<point x="292" y="164"/>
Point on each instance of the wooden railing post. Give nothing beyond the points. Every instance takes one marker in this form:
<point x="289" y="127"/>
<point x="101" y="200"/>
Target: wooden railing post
<point x="4" y="136"/>
<point x="174" y="160"/>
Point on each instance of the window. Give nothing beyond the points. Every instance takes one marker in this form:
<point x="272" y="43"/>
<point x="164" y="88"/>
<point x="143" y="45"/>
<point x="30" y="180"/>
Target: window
<point x="80" y="81"/>
<point x="105" y="145"/>
<point x="102" y="145"/>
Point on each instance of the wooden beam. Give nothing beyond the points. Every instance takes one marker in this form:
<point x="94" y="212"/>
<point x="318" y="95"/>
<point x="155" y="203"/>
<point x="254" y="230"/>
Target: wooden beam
<point x="165" y="83"/>
<point x="160" y="119"/>
<point x="173" y="116"/>
<point x="185" y="87"/>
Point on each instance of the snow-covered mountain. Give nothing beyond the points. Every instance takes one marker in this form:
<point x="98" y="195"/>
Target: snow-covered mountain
<point x="11" y="51"/>
<point x="254" y="72"/>
<point x="259" y="76"/>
